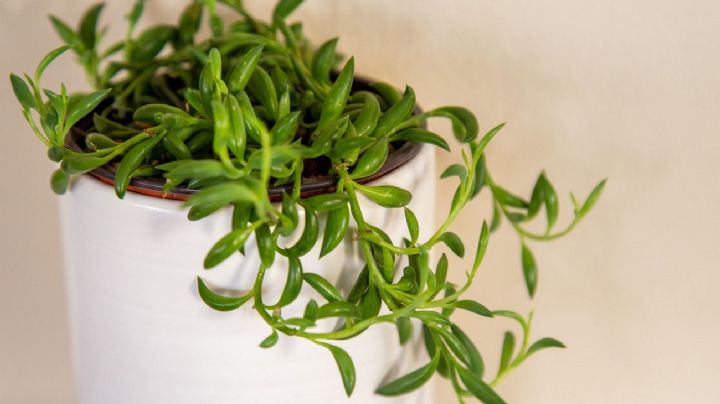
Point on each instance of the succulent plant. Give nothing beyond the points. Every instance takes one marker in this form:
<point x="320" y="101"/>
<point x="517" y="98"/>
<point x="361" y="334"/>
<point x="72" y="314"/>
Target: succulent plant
<point x="255" y="107"/>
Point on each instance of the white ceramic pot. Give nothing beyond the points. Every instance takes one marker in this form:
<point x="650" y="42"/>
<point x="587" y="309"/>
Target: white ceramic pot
<point x="141" y="334"/>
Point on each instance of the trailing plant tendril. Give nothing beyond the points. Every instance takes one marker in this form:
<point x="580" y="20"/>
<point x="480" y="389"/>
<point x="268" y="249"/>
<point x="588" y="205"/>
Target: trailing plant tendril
<point x="256" y="106"/>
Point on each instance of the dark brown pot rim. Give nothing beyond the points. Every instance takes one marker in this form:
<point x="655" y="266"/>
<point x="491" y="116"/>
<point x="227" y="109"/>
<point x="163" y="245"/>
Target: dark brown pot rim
<point x="154" y="186"/>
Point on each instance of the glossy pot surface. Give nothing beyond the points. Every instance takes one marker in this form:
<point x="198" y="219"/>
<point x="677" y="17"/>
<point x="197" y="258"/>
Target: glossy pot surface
<point x="141" y="334"/>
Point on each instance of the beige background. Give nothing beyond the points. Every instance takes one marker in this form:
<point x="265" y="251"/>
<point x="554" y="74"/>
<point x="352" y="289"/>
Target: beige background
<point x="622" y="89"/>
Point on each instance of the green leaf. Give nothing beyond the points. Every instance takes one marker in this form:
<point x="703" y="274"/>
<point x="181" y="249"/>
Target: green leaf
<point x="323" y="61"/>
<point x="84" y="106"/>
<point x="458" y="200"/>
<point x="480" y="176"/>
<point x="464" y="123"/>
<point x="482" y="246"/>
<point x="370" y="303"/>
<point x="286" y="128"/>
<point x="289" y="210"/>
<point x="226" y="246"/>
<point x="450" y="290"/>
<point x="404" y="327"/>
<point x="309" y="235"/>
<point x="432" y="317"/>
<point x="454" y="242"/>
<point x="190" y="21"/>
<point x="418" y="135"/>
<point x="223" y="194"/>
<point x="156" y="113"/>
<point x="311" y="311"/>
<point x="58" y="103"/>
<point x="441" y="271"/>
<point x="23" y="93"/>
<point x="270" y="341"/>
<point x="134" y="16"/>
<point x="455" y="346"/>
<point x="67" y="34"/>
<point x="280" y="155"/>
<point x="412" y="224"/>
<point x="199" y="141"/>
<point x="74" y="163"/>
<point x="130" y="162"/>
<point x="410" y="382"/>
<point x="112" y="50"/>
<point x="216" y="23"/>
<point x="347" y="145"/>
<point x="338" y="308"/>
<point x="265" y="245"/>
<point x="97" y="141"/>
<point x="369" y="116"/>
<point x="240" y="74"/>
<point x="496" y="218"/>
<point x="324" y="138"/>
<point x="511" y="315"/>
<point x="172" y="143"/>
<point x="476" y="365"/>
<point x="508" y="348"/>
<point x="215" y="62"/>
<point x="478" y="388"/>
<point x="254" y="126"/>
<point x="284" y="8"/>
<point x="551" y="203"/>
<point x="393" y="117"/>
<point x="431" y="348"/>
<point x="298" y="322"/>
<point x="387" y="196"/>
<point x="240" y="215"/>
<point x="327" y="202"/>
<point x="345" y="366"/>
<point x="261" y="86"/>
<point x="455" y="170"/>
<point x="530" y="271"/>
<point x="111" y="128"/>
<point x="473" y="306"/>
<point x="293" y="283"/>
<point x="283" y="86"/>
<point x="49" y="121"/>
<point x="322" y="286"/>
<point x="338" y="96"/>
<point x="336" y="227"/>
<point x="543" y="344"/>
<point x="202" y="211"/>
<point x="219" y="302"/>
<point x="88" y="26"/>
<point x="59" y="181"/>
<point x="388" y="92"/>
<point x="221" y="133"/>
<point x="507" y="198"/>
<point x="372" y="160"/>
<point x="421" y="264"/>
<point x="150" y="42"/>
<point x="52" y="55"/>
<point x="537" y="199"/>
<point x="179" y="171"/>
<point x="592" y="199"/>
<point x="479" y="148"/>
<point x="56" y="153"/>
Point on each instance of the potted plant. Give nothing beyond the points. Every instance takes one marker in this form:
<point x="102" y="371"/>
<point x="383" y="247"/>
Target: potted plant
<point x="316" y="196"/>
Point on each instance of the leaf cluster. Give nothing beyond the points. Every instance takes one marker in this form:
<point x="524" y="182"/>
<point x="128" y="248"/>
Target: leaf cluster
<point x="255" y="106"/>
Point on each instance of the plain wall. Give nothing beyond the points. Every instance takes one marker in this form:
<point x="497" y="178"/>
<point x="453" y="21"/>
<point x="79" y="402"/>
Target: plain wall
<point x="627" y="90"/>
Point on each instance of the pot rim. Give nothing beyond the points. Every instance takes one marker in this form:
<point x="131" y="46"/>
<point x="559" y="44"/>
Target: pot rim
<point x="153" y="187"/>
<point x="325" y="184"/>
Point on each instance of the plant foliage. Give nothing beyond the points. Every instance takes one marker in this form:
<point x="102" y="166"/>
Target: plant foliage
<point x="246" y="109"/>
